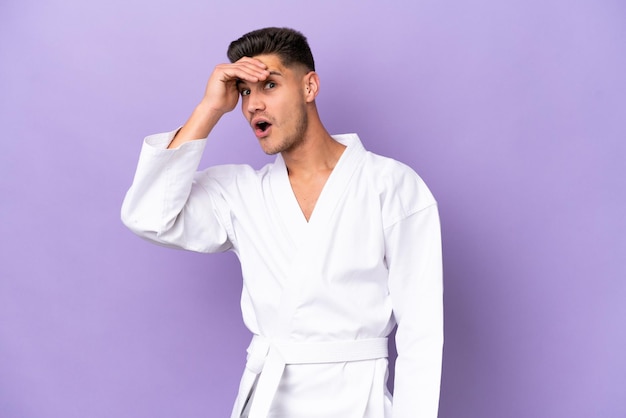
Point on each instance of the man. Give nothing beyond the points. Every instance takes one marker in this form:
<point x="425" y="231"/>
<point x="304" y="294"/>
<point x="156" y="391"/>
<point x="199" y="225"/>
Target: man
<point x="337" y="245"/>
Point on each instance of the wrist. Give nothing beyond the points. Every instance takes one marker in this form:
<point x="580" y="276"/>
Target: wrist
<point x="209" y="110"/>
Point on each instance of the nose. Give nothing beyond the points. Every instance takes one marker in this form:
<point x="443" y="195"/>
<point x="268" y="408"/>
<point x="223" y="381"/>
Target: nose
<point x="254" y="102"/>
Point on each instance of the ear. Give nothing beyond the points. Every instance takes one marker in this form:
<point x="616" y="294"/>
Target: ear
<point x="311" y="86"/>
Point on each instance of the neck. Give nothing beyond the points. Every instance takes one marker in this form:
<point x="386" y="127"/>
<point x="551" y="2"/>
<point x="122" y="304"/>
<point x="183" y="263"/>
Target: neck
<point x="317" y="153"/>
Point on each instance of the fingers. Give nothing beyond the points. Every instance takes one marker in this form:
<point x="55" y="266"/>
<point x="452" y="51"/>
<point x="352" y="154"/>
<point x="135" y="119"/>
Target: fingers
<point x="221" y="93"/>
<point x="248" y="69"/>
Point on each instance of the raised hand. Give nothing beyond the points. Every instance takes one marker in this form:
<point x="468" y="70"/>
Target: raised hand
<point x="221" y="93"/>
<point x="220" y="96"/>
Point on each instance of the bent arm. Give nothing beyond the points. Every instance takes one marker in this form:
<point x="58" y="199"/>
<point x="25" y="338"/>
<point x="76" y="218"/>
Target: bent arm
<point x="201" y="122"/>
<point x="168" y="203"/>
<point x="416" y="287"/>
<point x="165" y="203"/>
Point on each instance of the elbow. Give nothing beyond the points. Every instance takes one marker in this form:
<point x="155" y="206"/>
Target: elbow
<point x="131" y="223"/>
<point x="136" y="221"/>
<point x="127" y="217"/>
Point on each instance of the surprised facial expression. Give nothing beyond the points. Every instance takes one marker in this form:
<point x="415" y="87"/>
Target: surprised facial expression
<point x="276" y="107"/>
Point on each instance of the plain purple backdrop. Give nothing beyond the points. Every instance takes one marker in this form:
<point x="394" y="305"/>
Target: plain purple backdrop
<point x="513" y="112"/>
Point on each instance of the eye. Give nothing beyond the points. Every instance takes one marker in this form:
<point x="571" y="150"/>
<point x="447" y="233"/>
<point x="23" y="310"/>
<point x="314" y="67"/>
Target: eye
<point x="244" y="92"/>
<point x="269" y="85"/>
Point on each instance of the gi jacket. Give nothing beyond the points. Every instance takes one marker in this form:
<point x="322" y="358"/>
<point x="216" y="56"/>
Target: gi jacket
<point x="320" y="297"/>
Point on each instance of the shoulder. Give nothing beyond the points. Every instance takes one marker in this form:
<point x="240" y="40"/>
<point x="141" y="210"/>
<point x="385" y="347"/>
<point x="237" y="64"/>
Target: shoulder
<point x="230" y="170"/>
<point x="402" y="192"/>
<point x="232" y="175"/>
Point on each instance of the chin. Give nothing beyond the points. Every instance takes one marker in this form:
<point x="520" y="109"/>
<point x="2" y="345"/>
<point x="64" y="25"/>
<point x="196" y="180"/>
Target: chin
<point x="268" y="148"/>
<point x="270" y="151"/>
<point x="275" y="145"/>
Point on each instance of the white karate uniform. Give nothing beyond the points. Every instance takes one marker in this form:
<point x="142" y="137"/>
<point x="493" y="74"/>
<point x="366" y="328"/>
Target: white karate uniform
<point x="320" y="297"/>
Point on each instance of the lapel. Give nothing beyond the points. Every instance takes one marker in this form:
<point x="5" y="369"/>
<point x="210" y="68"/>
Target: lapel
<point x="286" y="204"/>
<point x="337" y="182"/>
<point x="305" y="236"/>
<point x="285" y="200"/>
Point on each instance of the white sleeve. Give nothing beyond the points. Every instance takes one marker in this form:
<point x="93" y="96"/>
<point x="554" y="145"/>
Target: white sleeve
<point x="413" y="252"/>
<point x="166" y="205"/>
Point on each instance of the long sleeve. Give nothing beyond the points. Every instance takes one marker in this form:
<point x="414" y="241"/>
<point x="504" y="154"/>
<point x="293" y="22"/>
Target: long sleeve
<point x="413" y="252"/>
<point x="167" y="204"/>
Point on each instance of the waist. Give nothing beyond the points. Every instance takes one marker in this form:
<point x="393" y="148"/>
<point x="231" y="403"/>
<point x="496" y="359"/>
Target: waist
<point x="268" y="358"/>
<point x="291" y="352"/>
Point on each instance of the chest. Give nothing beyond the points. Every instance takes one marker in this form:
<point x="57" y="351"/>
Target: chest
<point x="307" y="192"/>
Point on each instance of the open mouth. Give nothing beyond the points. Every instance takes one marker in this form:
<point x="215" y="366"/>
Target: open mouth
<point x="262" y="126"/>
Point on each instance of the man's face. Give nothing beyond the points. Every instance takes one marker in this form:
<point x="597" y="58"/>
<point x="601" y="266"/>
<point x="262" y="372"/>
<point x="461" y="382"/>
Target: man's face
<point x="276" y="107"/>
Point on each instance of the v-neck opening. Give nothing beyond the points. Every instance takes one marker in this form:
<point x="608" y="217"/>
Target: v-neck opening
<point x="320" y="196"/>
<point x="287" y="202"/>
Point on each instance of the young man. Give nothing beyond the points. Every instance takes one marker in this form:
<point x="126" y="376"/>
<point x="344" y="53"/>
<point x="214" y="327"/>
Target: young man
<point x="337" y="245"/>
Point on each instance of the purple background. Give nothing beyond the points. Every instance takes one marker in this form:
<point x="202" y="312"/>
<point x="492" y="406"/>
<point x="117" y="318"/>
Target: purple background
<point x="513" y="112"/>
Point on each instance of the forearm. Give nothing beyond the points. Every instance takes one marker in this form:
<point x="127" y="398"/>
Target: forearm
<point x="165" y="203"/>
<point x="418" y="366"/>
<point x="161" y="185"/>
<point x="201" y="122"/>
